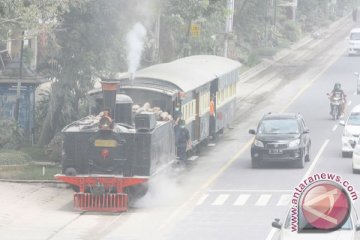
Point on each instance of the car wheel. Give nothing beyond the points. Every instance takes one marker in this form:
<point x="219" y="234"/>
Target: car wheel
<point x="307" y="157"/>
<point x="255" y="163"/>
<point x="346" y="154"/>
<point x="355" y="171"/>
<point x="301" y="161"/>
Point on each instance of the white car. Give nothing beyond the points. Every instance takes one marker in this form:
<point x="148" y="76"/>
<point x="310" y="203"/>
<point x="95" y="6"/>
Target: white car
<point x="354" y="41"/>
<point x="351" y="132"/>
<point x="349" y="231"/>
<point x="356" y="158"/>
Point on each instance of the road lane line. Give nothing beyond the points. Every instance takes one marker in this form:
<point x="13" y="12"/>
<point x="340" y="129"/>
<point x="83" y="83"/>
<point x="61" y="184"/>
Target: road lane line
<point x="202" y="199"/>
<point x="249" y="190"/>
<point x="221" y="199"/>
<point x="284" y="200"/>
<point x="317" y="157"/>
<point x="242" y="199"/>
<point x="263" y="200"/>
<point x="334" y="128"/>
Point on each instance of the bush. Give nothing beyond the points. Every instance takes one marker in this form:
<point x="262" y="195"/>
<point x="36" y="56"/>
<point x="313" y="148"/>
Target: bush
<point x="292" y="31"/>
<point x="11" y="135"/>
<point x="12" y="157"/>
<point x="53" y="150"/>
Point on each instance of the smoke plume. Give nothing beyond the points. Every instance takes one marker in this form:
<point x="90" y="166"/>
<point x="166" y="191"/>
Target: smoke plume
<point x="135" y="43"/>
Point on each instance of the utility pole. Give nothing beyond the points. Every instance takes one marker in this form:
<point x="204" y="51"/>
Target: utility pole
<point x="18" y="87"/>
<point x="229" y="25"/>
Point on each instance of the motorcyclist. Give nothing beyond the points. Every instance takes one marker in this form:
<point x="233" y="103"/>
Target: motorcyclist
<point x="337" y="91"/>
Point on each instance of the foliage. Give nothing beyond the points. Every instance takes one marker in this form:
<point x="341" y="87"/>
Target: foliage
<point x="92" y="44"/>
<point x="29" y="172"/>
<point x="12" y="157"/>
<point x="53" y="150"/>
<point x="178" y="16"/>
<point x="11" y="134"/>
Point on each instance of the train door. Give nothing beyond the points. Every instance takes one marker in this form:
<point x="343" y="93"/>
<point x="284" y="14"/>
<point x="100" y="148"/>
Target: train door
<point x="197" y="124"/>
<point x="212" y="120"/>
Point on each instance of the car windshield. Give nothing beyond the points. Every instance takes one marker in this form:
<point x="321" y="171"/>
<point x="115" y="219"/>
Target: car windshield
<point x="354" y="119"/>
<point x="302" y="223"/>
<point x="355" y="36"/>
<point x="279" y="126"/>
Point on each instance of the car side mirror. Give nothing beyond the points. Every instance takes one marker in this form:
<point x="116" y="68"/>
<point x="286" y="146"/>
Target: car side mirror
<point x="276" y="223"/>
<point x="306" y="130"/>
<point x="357" y="227"/>
<point x="252" y="131"/>
<point x="342" y="123"/>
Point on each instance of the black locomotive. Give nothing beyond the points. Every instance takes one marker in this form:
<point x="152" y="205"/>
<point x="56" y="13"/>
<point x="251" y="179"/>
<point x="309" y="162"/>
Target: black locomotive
<point x="109" y="155"/>
<point x="106" y="157"/>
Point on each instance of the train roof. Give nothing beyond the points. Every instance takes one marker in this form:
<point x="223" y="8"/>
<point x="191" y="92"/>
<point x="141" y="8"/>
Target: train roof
<point x="188" y="73"/>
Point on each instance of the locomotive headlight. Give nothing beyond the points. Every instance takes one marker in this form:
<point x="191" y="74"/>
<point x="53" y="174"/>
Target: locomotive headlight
<point x="105" y="153"/>
<point x="258" y="143"/>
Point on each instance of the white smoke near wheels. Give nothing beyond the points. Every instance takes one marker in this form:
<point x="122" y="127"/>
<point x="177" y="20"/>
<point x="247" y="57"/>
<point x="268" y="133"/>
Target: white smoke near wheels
<point x="135" y="44"/>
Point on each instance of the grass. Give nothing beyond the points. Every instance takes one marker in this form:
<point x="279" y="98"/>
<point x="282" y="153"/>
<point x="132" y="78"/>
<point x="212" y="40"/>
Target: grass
<point x="19" y="165"/>
<point x="29" y="172"/>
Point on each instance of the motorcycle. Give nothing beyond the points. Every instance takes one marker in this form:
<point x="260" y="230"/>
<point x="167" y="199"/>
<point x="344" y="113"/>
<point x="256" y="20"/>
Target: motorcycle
<point x="335" y="102"/>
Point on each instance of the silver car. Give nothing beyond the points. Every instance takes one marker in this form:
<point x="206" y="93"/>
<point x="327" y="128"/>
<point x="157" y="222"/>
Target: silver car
<point x="349" y="231"/>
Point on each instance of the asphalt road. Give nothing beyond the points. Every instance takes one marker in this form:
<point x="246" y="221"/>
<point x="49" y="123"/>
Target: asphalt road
<point x="219" y="196"/>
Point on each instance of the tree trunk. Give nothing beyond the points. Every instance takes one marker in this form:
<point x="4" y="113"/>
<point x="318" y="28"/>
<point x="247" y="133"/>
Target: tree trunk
<point x="48" y="129"/>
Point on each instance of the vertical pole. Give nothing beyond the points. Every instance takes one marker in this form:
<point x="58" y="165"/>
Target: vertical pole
<point x="18" y="87"/>
<point x="157" y="38"/>
<point x="294" y="9"/>
<point x="229" y="25"/>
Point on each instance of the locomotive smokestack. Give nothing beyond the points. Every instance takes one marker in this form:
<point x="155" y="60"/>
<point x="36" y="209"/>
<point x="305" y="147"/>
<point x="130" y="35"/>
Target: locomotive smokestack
<point x="109" y="93"/>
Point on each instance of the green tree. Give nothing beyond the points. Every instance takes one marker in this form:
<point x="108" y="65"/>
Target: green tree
<point x="177" y="18"/>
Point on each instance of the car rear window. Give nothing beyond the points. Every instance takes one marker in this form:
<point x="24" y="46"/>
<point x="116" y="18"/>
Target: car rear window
<point x="279" y="126"/>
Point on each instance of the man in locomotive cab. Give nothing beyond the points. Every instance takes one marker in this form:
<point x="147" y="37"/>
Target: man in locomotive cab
<point x="106" y="123"/>
<point x="182" y="141"/>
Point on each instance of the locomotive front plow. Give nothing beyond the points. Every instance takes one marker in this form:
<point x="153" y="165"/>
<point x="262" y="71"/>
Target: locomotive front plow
<point x="101" y="193"/>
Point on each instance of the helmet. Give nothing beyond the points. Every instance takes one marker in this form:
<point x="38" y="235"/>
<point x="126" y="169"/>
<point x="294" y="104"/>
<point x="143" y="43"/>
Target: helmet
<point x="337" y="86"/>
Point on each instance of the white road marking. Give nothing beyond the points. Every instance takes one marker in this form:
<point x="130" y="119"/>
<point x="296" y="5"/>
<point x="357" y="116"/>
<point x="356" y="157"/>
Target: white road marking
<point x="263" y="200"/>
<point x="284" y="200"/>
<point x="202" y="199"/>
<point x="334" y="128"/>
<point x="349" y="103"/>
<point x="250" y="190"/>
<point x="242" y="199"/>
<point x="317" y="157"/>
<point x="221" y="199"/>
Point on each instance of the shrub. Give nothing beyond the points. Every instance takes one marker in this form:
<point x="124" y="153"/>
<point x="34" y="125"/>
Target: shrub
<point x="53" y="150"/>
<point x="11" y="135"/>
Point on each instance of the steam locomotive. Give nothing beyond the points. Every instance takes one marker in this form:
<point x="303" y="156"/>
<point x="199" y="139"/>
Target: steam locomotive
<point x="110" y="155"/>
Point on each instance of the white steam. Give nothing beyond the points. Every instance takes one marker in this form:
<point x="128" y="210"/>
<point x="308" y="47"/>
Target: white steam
<point x="135" y="43"/>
